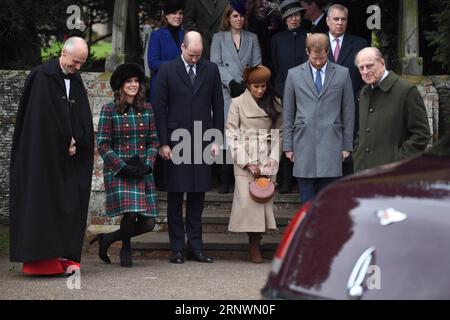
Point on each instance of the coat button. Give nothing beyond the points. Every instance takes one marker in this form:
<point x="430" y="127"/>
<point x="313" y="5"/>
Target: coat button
<point x="125" y="114"/>
<point x="141" y="135"/>
<point x="142" y="147"/>
<point x="371" y="110"/>
<point x="127" y="125"/>
<point x="128" y="147"/>
<point x="141" y="124"/>
<point x="367" y="150"/>
<point x="128" y="137"/>
<point x="226" y="64"/>
<point x="139" y="113"/>
<point x="367" y="130"/>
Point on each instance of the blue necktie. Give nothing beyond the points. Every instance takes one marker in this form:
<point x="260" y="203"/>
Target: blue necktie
<point x="318" y="82"/>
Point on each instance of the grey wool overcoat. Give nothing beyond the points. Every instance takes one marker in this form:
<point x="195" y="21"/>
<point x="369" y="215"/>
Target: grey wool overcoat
<point x="318" y="126"/>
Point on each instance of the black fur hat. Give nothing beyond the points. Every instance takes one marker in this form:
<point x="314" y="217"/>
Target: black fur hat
<point x="126" y="71"/>
<point x="172" y="6"/>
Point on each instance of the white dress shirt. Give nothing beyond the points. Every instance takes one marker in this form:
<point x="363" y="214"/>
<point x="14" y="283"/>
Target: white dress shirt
<point x="333" y="41"/>
<point x="322" y="72"/>
<point x="186" y="65"/>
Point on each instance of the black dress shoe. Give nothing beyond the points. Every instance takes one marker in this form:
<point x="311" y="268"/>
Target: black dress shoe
<point x="199" y="257"/>
<point x="177" y="257"/>
<point x="102" y="247"/>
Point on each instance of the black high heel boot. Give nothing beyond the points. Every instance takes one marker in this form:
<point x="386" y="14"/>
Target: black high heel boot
<point x="103" y="247"/>
<point x="125" y="256"/>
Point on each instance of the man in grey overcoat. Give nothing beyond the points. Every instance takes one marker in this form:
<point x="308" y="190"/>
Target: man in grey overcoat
<point x="318" y="118"/>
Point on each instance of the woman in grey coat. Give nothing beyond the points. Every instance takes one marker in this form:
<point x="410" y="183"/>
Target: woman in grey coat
<point x="233" y="49"/>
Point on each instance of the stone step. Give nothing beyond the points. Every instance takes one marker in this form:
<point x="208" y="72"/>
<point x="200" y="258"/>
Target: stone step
<point x="213" y="220"/>
<point x="213" y="201"/>
<point x="214" y="196"/>
<point x="225" y="245"/>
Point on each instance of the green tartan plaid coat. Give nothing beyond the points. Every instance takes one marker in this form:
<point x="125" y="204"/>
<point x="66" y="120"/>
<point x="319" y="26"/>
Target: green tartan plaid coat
<point x="119" y="137"/>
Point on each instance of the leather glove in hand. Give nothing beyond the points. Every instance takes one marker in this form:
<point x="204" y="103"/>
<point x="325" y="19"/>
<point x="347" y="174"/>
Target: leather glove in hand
<point x="236" y="88"/>
<point x="130" y="171"/>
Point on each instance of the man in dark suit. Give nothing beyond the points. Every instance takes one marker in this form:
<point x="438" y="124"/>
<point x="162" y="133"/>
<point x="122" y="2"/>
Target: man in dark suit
<point x="204" y="16"/>
<point x="189" y="98"/>
<point x="344" y="48"/>
<point x="314" y="12"/>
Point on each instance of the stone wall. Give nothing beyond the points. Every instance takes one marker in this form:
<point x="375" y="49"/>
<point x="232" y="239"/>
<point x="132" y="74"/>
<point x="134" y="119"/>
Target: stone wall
<point x="11" y="84"/>
<point x="435" y="91"/>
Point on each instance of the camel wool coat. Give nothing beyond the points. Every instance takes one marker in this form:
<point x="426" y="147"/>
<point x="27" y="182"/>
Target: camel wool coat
<point x="252" y="138"/>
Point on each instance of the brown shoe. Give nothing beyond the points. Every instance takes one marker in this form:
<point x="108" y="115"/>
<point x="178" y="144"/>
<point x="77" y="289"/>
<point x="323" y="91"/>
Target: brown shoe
<point x="255" y="247"/>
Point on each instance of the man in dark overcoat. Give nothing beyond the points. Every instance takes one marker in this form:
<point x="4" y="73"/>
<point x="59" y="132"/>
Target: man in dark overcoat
<point x="344" y="48"/>
<point x="204" y="16"/>
<point x="188" y="96"/>
<point x="393" y="121"/>
<point x="51" y="165"/>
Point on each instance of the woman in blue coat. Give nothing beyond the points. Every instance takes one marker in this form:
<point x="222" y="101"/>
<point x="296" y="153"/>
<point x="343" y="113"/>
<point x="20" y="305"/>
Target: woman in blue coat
<point x="165" y="43"/>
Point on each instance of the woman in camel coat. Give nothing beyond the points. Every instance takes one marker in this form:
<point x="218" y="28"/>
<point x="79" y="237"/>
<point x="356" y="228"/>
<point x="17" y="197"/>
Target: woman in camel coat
<point x="253" y="135"/>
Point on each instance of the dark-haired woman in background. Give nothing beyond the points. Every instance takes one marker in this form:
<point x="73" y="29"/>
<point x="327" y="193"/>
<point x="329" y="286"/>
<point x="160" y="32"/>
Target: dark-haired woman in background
<point x="165" y="43"/>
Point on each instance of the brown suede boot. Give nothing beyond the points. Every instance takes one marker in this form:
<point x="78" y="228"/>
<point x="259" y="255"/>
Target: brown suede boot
<point x="254" y="247"/>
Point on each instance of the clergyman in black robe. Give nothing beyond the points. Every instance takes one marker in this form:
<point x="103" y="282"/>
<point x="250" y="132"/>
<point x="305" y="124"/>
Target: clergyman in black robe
<point x="51" y="165"/>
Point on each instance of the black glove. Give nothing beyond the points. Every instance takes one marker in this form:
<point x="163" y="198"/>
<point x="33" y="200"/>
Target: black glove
<point x="130" y="171"/>
<point x="148" y="169"/>
<point x="236" y="88"/>
<point x="136" y="162"/>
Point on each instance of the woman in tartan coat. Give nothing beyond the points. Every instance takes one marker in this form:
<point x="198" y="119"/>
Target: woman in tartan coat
<point x="128" y="143"/>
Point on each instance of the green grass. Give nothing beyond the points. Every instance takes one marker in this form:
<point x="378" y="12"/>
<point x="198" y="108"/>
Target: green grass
<point x="4" y="240"/>
<point x="100" y="49"/>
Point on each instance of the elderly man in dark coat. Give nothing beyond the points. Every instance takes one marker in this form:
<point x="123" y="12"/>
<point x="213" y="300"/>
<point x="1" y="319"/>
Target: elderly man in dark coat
<point x="51" y="165"/>
<point x="188" y="97"/>
<point x="393" y="122"/>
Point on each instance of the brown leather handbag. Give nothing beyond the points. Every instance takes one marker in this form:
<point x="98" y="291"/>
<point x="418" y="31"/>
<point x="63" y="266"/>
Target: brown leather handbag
<point x="261" y="189"/>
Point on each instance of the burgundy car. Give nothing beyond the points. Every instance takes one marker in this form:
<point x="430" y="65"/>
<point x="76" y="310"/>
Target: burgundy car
<point x="380" y="234"/>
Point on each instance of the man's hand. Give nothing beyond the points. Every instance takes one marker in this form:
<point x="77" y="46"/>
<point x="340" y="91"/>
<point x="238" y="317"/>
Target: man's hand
<point x="214" y="150"/>
<point x="72" y="148"/>
<point x="165" y="152"/>
<point x="289" y="155"/>
<point x="345" y="155"/>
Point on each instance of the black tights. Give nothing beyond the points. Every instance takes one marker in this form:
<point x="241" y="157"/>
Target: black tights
<point x="131" y="225"/>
